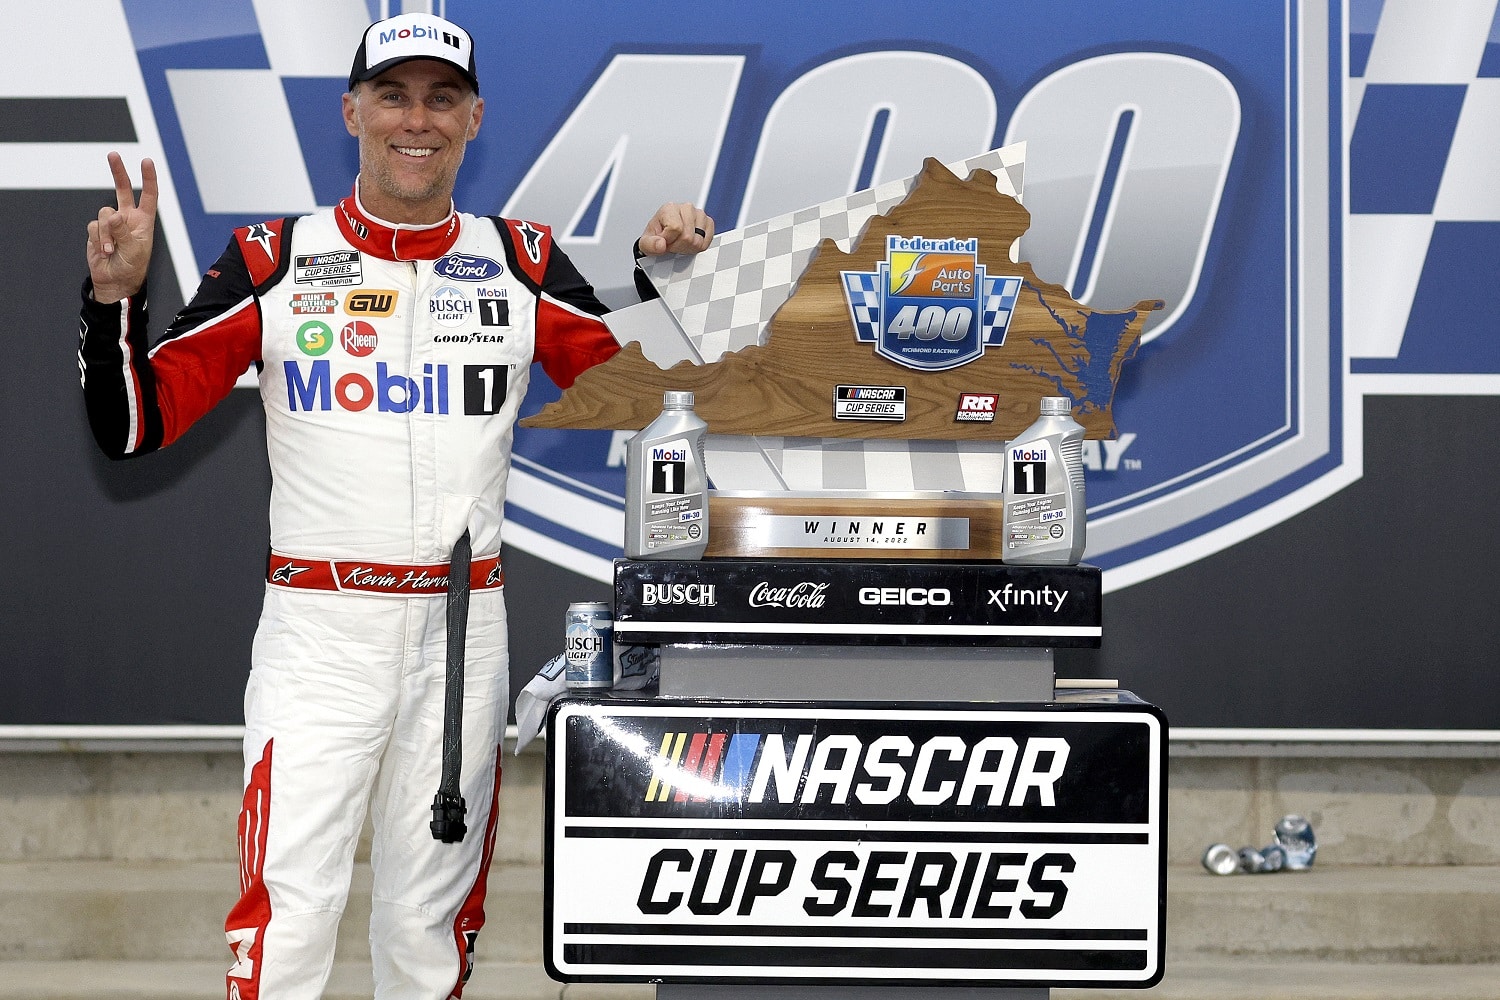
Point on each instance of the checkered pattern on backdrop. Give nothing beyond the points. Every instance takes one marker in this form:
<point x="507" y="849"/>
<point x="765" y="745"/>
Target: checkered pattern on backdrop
<point x="1422" y="247"/>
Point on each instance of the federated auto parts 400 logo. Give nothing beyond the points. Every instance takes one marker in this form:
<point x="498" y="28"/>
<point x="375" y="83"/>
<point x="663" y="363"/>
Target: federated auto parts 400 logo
<point x="930" y="305"/>
<point x="1165" y="157"/>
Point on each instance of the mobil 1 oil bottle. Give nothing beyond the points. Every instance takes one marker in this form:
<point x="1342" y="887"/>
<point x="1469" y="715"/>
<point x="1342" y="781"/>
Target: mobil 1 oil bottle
<point x="666" y="488"/>
<point x="1043" y="519"/>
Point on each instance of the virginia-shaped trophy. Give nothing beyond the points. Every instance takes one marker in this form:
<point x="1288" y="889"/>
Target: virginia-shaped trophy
<point x="861" y="365"/>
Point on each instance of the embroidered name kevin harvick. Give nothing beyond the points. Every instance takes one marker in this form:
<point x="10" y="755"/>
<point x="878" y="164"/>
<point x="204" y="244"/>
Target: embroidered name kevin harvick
<point x="387" y="441"/>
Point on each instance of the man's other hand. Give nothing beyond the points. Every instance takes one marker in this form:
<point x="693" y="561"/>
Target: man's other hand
<point x="676" y="228"/>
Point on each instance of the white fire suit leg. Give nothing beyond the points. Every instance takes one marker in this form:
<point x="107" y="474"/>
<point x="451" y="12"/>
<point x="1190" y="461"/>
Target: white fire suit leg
<point x="429" y="896"/>
<point x="339" y="693"/>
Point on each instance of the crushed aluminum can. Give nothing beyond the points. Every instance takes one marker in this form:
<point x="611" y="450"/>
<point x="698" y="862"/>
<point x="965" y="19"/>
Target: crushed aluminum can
<point x="1220" y="859"/>
<point x="1294" y="835"/>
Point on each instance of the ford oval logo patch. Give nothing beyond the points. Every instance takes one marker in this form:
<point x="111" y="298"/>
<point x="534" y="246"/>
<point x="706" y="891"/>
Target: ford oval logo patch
<point x="468" y="267"/>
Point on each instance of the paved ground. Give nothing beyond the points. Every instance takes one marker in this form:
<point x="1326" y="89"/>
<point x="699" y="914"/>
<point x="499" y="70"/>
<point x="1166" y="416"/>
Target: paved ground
<point x="1220" y="980"/>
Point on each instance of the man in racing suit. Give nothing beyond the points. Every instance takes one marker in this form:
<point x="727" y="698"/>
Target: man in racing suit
<point x="394" y="339"/>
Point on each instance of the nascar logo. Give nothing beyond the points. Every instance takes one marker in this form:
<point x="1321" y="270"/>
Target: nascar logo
<point x="949" y="822"/>
<point x="993" y="771"/>
<point x="338" y="267"/>
<point x="869" y="402"/>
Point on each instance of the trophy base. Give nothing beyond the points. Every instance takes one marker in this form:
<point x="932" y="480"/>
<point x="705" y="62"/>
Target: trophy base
<point x="854" y="525"/>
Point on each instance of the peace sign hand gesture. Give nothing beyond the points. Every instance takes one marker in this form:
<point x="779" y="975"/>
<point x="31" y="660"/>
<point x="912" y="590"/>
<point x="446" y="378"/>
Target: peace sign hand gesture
<point x="119" y="247"/>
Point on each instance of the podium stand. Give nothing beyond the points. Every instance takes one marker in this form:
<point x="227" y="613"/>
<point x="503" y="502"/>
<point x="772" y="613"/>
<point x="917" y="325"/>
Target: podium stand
<point x="975" y="849"/>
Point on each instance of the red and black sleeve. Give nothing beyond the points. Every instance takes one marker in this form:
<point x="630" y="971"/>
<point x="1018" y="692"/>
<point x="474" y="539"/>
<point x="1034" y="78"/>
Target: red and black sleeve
<point x="140" y="399"/>
<point x="570" y="335"/>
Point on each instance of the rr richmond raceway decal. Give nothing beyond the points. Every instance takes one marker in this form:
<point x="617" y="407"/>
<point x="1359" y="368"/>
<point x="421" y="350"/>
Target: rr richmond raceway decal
<point x="911" y="844"/>
<point x="1164" y="157"/>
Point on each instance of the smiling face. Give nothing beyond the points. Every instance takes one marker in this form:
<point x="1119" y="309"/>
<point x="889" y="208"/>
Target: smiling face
<point x="412" y="122"/>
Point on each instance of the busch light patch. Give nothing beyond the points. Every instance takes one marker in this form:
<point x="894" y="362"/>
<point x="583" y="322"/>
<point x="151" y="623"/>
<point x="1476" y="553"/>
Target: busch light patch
<point x="450" y="306"/>
<point x="929" y="305"/>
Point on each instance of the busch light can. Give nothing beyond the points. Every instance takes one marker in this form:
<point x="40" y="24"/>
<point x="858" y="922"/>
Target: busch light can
<point x="1294" y="835"/>
<point x="590" y="632"/>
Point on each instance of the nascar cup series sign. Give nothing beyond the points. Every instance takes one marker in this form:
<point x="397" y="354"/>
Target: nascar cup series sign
<point x="913" y="844"/>
<point x="1166" y="156"/>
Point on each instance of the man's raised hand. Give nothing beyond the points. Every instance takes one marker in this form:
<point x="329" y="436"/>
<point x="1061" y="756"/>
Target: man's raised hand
<point x="677" y="228"/>
<point x="119" y="247"/>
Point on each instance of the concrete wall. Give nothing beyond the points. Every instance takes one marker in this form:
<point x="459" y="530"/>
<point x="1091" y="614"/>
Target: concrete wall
<point x="1417" y="804"/>
<point x="180" y="806"/>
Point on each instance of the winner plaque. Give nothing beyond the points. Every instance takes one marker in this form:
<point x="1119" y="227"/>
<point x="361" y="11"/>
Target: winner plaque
<point x="854" y="525"/>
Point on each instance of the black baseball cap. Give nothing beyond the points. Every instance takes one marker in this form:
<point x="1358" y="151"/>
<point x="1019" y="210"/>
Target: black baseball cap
<point x="413" y="36"/>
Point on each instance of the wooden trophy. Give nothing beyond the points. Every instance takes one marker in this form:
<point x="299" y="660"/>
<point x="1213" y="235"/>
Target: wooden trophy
<point x="924" y="331"/>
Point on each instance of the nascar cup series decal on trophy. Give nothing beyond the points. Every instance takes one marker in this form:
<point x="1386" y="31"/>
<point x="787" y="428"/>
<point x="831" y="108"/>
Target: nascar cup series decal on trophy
<point x="589" y="631"/>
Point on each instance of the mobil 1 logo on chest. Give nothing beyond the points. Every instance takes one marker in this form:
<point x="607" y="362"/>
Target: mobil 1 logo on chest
<point x="361" y="382"/>
<point x="318" y="386"/>
<point x="819" y="842"/>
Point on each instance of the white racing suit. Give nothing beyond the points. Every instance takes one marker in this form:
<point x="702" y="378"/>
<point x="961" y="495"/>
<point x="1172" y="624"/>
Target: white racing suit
<point x="392" y="364"/>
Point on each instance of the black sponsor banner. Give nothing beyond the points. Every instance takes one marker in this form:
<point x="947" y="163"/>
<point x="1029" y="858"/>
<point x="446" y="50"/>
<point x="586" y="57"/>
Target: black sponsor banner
<point x="916" y="844"/>
<point x="858" y="602"/>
